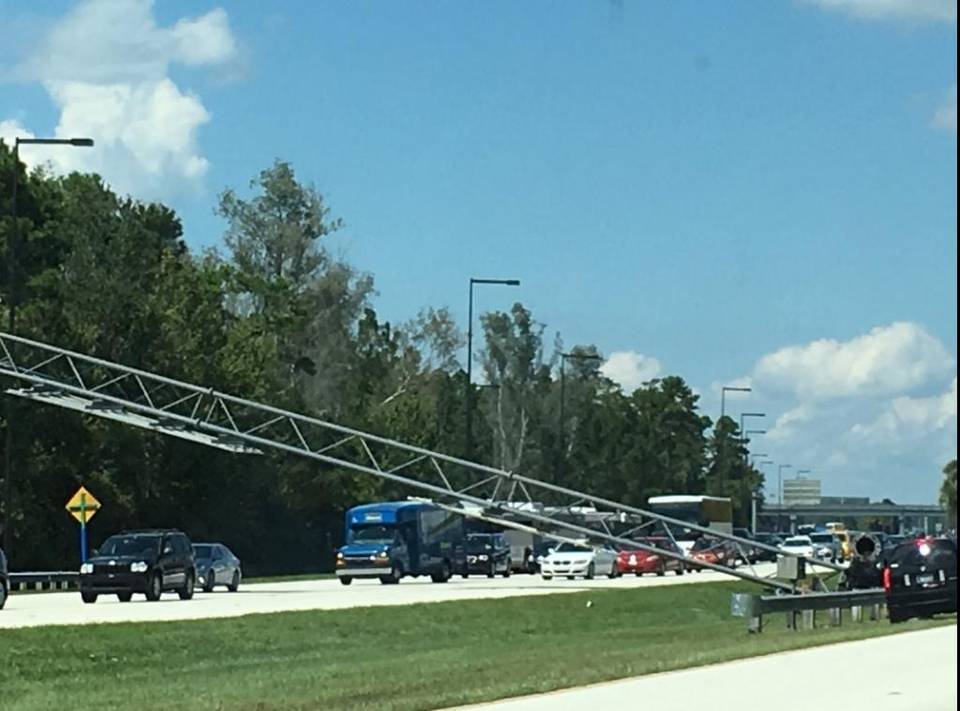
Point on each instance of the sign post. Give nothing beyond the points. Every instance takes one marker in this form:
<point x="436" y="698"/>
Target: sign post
<point x="83" y="506"/>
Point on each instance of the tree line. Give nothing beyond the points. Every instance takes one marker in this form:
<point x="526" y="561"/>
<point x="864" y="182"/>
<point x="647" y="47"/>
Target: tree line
<point x="274" y="316"/>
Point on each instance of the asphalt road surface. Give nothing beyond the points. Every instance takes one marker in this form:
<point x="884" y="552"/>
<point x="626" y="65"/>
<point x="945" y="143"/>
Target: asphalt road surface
<point x="913" y="671"/>
<point x="66" y="608"/>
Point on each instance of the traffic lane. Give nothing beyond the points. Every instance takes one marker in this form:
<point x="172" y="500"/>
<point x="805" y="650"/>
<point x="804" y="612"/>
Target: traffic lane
<point x="910" y="671"/>
<point x="38" y="609"/>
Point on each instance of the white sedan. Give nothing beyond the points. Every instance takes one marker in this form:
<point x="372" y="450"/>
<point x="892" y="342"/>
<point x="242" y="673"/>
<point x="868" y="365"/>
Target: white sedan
<point x="571" y="560"/>
<point x="798" y="545"/>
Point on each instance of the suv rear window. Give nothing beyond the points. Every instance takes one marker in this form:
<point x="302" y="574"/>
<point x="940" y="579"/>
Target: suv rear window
<point x="937" y="554"/>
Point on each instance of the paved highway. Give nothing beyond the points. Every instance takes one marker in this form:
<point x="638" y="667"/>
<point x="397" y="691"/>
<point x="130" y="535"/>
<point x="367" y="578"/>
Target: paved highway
<point x="66" y="608"/>
<point x="913" y="671"/>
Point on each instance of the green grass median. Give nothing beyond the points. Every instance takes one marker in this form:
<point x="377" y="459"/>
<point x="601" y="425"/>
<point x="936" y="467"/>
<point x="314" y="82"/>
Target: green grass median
<point x="421" y="656"/>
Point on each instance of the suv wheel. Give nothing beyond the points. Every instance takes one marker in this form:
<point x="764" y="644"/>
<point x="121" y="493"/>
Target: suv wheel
<point x="186" y="592"/>
<point x="210" y="582"/>
<point x="154" y="587"/>
<point x="445" y="573"/>
<point x="507" y="571"/>
<point x="124" y="596"/>
<point x="345" y="579"/>
<point x="3" y="594"/>
<point x="88" y="597"/>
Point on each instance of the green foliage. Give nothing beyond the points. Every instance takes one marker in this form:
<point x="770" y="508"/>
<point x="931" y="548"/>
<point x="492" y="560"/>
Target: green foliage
<point x="279" y="319"/>
<point x="948" y="491"/>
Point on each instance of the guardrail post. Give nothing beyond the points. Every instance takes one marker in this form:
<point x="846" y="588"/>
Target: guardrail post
<point x="856" y="613"/>
<point x="755" y="624"/>
<point x="874" y="612"/>
<point x="836" y="616"/>
<point x="809" y="618"/>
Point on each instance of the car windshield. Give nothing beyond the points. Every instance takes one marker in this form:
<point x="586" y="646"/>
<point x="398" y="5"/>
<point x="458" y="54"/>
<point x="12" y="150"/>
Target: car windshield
<point x="144" y="546"/>
<point x="573" y="548"/>
<point x="652" y="542"/>
<point x="372" y="534"/>
<point x="702" y="544"/>
<point x="821" y="538"/>
<point x="202" y="552"/>
<point x="934" y="554"/>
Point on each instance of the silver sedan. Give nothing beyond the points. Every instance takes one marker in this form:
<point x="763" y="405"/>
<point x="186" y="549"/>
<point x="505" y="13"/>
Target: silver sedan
<point x="216" y="565"/>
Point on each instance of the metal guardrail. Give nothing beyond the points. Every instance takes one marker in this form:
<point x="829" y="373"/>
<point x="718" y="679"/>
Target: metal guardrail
<point x="44" y="580"/>
<point x="754" y="607"/>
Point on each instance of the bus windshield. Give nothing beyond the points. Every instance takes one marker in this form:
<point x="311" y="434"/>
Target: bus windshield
<point x="372" y="534"/>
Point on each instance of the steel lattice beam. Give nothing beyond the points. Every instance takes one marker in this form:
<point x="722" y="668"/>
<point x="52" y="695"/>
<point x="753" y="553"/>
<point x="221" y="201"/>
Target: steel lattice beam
<point x="93" y="386"/>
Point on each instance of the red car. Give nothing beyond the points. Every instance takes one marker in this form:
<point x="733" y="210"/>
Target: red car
<point x="638" y="561"/>
<point x="711" y="550"/>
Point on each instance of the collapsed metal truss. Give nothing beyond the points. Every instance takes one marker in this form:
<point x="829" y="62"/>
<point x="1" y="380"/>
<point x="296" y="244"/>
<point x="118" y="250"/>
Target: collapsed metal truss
<point x="93" y="386"/>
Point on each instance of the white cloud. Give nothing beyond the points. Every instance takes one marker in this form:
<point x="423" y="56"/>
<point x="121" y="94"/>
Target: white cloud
<point x="946" y="115"/>
<point x="787" y="424"/>
<point x="889" y="359"/>
<point x="630" y="369"/>
<point x="11" y="129"/>
<point x="929" y="10"/>
<point x="905" y="416"/>
<point x="106" y="67"/>
<point x="874" y="415"/>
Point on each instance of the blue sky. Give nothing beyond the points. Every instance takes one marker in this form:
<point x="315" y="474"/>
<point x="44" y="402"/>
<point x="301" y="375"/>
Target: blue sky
<point x="695" y="187"/>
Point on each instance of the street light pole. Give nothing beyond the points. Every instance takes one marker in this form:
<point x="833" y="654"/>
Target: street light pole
<point x="753" y="499"/>
<point x="563" y="434"/>
<point x="468" y="394"/>
<point x="746" y="443"/>
<point x="780" y="469"/>
<point x="743" y="435"/>
<point x="13" y="245"/>
<point x="723" y="396"/>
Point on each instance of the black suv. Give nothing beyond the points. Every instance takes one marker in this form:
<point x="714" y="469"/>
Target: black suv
<point x="487" y="553"/>
<point x="147" y="562"/>
<point x="920" y="578"/>
<point x="4" y="580"/>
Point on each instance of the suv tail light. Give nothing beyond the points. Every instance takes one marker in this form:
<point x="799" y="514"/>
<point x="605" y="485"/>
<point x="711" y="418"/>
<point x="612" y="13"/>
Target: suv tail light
<point x="887" y="579"/>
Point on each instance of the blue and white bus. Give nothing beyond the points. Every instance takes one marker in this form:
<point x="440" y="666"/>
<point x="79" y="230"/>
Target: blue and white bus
<point x="394" y="539"/>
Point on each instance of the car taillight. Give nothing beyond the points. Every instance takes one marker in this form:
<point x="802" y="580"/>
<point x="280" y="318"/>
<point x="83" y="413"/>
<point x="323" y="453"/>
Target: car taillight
<point x="887" y="579"/>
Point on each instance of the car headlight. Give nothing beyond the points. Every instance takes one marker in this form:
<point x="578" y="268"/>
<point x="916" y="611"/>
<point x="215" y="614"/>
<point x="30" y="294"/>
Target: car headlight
<point x="581" y="562"/>
<point x="484" y="557"/>
<point x="138" y="567"/>
<point x="383" y="554"/>
<point x="339" y="554"/>
<point x="86" y="568"/>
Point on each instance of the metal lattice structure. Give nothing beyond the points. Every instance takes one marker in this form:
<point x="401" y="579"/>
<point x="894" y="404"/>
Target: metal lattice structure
<point x="55" y="376"/>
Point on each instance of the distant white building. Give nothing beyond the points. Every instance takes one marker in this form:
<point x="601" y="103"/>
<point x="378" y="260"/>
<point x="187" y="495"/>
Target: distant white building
<point x="801" y="492"/>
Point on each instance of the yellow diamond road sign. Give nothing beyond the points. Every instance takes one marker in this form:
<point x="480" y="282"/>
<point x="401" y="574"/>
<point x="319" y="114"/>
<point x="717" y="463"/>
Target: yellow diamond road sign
<point x="83" y="505"/>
